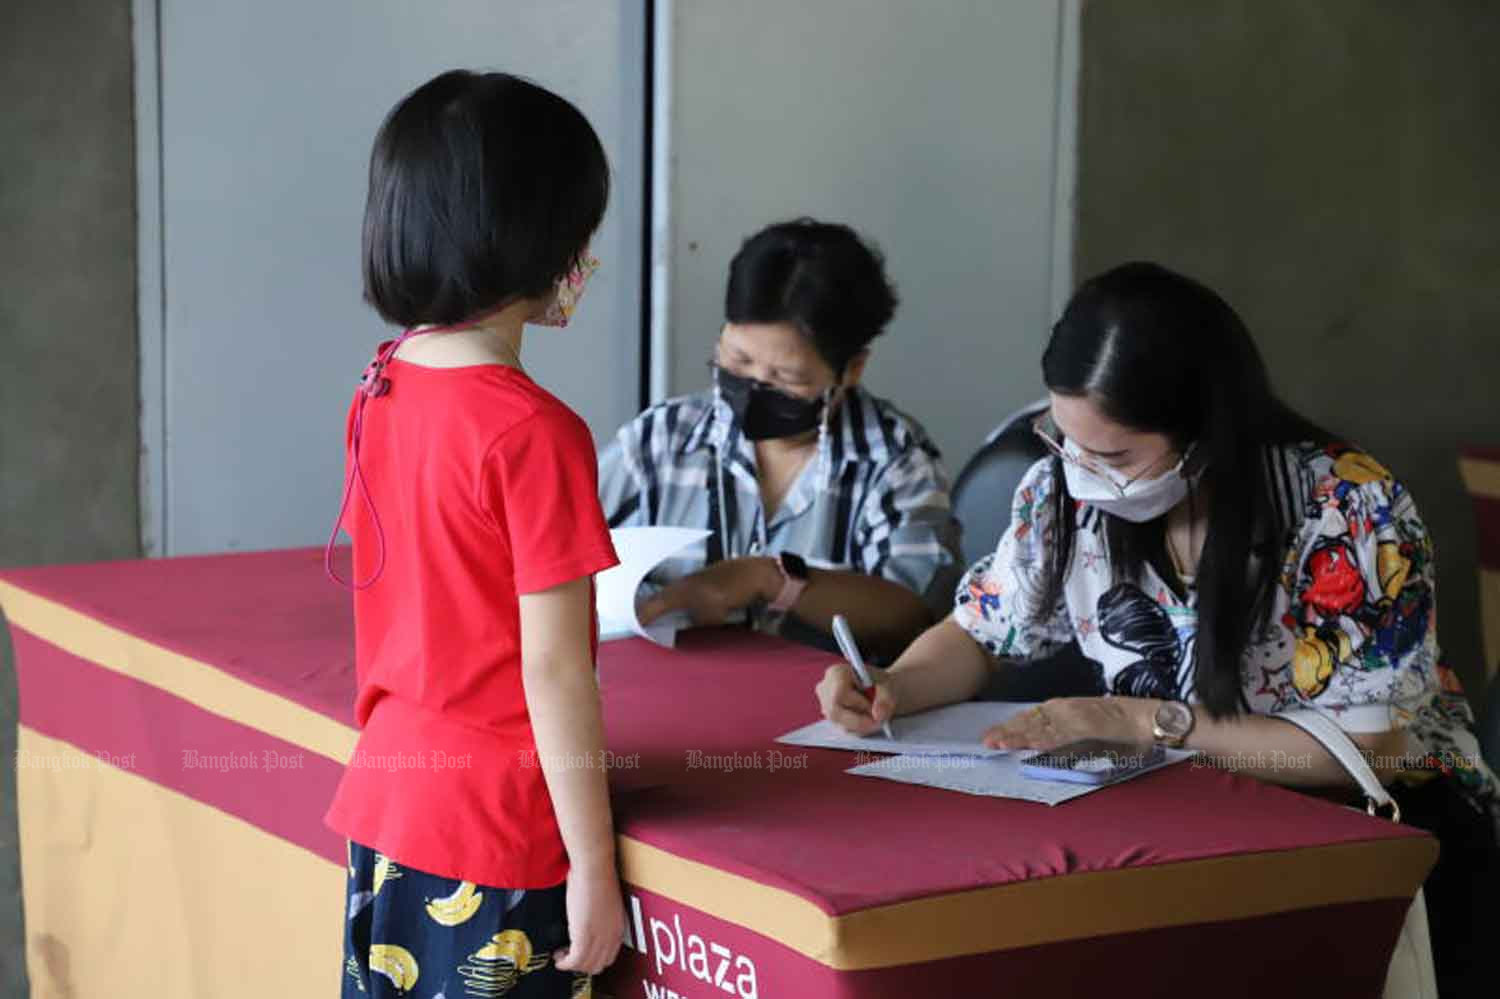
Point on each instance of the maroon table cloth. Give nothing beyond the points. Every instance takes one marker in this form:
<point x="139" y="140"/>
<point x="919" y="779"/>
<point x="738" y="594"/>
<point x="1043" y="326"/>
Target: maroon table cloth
<point x="751" y="868"/>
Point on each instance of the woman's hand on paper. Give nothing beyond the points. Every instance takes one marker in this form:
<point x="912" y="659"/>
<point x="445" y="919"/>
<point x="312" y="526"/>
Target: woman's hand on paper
<point x="712" y="595"/>
<point x="845" y="705"/>
<point x="1067" y="719"/>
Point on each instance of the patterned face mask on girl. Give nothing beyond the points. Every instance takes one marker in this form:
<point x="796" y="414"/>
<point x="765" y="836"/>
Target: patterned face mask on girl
<point x="569" y="291"/>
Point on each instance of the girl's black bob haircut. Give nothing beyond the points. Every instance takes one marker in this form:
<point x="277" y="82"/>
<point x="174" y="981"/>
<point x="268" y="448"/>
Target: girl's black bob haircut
<point x="484" y="189"/>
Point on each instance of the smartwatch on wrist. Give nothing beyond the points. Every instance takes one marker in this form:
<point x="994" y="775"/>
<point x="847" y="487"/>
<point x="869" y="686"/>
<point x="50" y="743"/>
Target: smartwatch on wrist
<point x="793" y="581"/>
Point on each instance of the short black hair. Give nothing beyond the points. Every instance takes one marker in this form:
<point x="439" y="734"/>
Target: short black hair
<point x="819" y="276"/>
<point x="484" y="188"/>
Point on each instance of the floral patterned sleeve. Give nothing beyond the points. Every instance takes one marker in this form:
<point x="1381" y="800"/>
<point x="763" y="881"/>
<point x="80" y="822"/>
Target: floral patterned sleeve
<point x="997" y="597"/>
<point x="1362" y="608"/>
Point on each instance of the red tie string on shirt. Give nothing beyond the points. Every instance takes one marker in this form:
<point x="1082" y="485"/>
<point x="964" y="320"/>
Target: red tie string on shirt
<point x="372" y="385"/>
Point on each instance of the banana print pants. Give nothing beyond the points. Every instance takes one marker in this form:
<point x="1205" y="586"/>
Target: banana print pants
<point x="412" y="934"/>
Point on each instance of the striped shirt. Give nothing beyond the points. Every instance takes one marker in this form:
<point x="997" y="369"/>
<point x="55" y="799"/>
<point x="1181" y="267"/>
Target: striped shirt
<point x="874" y="500"/>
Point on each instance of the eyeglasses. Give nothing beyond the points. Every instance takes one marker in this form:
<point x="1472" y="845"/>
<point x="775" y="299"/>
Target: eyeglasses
<point x="798" y="392"/>
<point x="1045" y="429"/>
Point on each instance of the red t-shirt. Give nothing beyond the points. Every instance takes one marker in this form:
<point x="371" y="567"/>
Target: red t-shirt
<point x="486" y="487"/>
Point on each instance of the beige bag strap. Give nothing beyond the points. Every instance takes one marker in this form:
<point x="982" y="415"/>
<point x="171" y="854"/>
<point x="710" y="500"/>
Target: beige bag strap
<point x="1411" y="974"/>
<point x="1343" y="749"/>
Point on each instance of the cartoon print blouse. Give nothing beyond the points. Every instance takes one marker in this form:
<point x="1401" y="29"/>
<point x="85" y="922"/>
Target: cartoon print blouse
<point x="1353" y="627"/>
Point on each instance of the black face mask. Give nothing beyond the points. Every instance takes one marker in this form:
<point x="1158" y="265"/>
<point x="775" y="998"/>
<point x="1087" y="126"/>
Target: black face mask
<point x="762" y="412"/>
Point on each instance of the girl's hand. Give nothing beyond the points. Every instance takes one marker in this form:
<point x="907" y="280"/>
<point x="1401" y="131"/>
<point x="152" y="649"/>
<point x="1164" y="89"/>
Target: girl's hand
<point x="847" y="706"/>
<point x="596" y="921"/>
<point x="1067" y="719"/>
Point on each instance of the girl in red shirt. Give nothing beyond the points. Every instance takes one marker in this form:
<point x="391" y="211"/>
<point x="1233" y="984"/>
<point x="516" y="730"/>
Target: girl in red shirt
<point x="480" y="841"/>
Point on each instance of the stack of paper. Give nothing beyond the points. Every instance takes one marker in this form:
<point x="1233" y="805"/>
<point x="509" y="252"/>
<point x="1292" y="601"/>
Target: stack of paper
<point x="994" y="777"/>
<point x="943" y="748"/>
<point x="954" y="730"/>
<point x="617" y="590"/>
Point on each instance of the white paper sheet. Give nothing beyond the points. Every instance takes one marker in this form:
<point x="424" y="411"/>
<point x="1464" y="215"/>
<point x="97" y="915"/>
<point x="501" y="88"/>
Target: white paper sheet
<point x="993" y="777"/>
<point x="955" y="729"/>
<point x="641" y="549"/>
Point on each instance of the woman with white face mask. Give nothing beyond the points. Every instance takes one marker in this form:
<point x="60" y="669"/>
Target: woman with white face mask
<point x="1221" y="559"/>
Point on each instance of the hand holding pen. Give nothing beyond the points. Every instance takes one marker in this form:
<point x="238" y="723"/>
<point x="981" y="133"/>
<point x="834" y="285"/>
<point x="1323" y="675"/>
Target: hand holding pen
<point x="847" y="646"/>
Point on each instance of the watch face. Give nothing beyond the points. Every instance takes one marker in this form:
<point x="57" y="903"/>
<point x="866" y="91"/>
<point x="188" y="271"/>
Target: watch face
<point x="1174" y="718"/>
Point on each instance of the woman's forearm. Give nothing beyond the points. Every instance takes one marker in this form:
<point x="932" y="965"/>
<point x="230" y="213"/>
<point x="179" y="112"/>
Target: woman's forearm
<point x="885" y="616"/>
<point x="1279" y="751"/>
<point x="943" y="666"/>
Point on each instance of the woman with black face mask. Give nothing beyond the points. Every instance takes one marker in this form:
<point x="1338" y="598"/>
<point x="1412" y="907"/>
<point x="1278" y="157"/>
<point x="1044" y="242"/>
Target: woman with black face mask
<point x="820" y="498"/>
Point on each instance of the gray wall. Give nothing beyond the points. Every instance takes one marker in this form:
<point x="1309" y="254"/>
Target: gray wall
<point x="68" y="397"/>
<point x="1331" y="168"/>
<point x="263" y="187"/>
<point x="931" y="128"/>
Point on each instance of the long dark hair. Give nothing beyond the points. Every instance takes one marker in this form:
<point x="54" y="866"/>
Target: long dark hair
<point x="1160" y="353"/>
